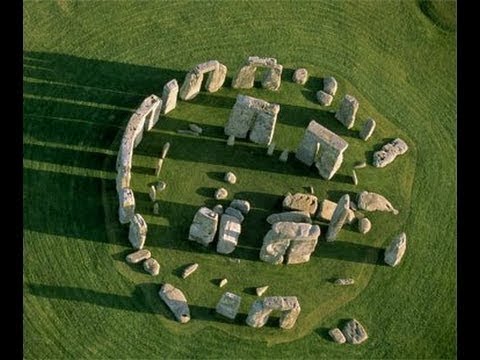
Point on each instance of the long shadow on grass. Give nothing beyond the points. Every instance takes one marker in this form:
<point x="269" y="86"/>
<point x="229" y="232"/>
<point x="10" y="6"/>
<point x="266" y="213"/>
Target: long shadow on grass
<point x="349" y="251"/>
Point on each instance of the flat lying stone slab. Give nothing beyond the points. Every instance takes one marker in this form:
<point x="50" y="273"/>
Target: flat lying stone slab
<point x="151" y="266"/>
<point x="228" y="305"/>
<point x="344" y="282"/>
<point x="138" y="256"/>
<point x="242" y="205"/>
<point x="389" y="152"/>
<point x="301" y="202"/>
<point x="292" y="216"/>
<point x="337" y="335"/>
<point x="228" y="233"/>
<point x="176" y="301"/>
<point x="327" y="208"/>
<point x="234" y="212"/>
<point x="354" y="332"/>
<point x="370" y="201"/>
<point x="204" y="226"/>
<point x="190" y="269"/>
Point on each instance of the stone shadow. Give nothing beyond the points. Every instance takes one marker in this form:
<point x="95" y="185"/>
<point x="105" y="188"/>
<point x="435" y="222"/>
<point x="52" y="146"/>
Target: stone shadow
<point x="323" y="333"/>
<point x="349" y="251"/>
<point x="311" y="87"/>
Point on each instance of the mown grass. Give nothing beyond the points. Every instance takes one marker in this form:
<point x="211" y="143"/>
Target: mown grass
<point x="88" y="65"/>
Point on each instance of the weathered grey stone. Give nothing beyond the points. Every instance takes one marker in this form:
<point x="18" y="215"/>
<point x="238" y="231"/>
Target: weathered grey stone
<point x="360" y="165"/>
<point x="189" y="270"/>
<point x="354" y="332"/>
<point x="323" y="98"/>
<point x="216" y="78"/>
<point x="364" y="225"/>
<point x="195" y="128"/>
<point x="332" y="146"/>
<point x="156" y="208"/>
<point x="261" y="309"/>
<point x="245" y="77"/>
<point x="338" y="218"/>
<point x="292" y="216"/>
<point x="165" y="149"/>
<point x="367" y="129"/>
<point x="395" y="251"/>
<point x="254" y="116"/>
<point x="273" y="78"/>
<point x="223" y="282"/>
<point x="389" y="152"/>
<point x="231" y="140"/>
<point x="300" y="76"/>
<point x="353" y="206"/>
<point x="311" y="190"/>
<point x="330" y="85"/>
<point x="228" y="305"/>
<point x="242" y="205"/>
<point x="337" y="336"/>
<point x="218" y="209"/>
<point x="152" y="193"/>
<point x="138" y="256"/>
<point x="161" y="185"/>
<point x="354" y="178"/>
<point x="228" y="233"/>
<point x="221" y="194"/>
<point x="204" y="226"/>
<point x="151" y="266"/>
<point x="326" y="209"/>
<point x="126" y="207"/>
<point x="158" y="168"/>
<point x="176" y="302"/>
<point x="283" y="156"/>
<point x="137" y="232"/>
<point x="230" y="177"/>
<point x="271" y="149"/>
<point x="344" y="282"/>
<point x="234" y="212"/>
<point x="370" y="201"/>
<point x="187" y="132"/>
<point x="347" y="111"/>
<point x="150" y="109"/>
<point x="299" y="238"/>
<point x="169" y="96"/>
<point x="261" y="290"/>
<point x="301" y="202"/>
<point x="193" y="80"/>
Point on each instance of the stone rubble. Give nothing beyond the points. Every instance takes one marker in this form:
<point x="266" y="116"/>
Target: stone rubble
<point x="389" y="152"/>
<point x="176" y="301"/>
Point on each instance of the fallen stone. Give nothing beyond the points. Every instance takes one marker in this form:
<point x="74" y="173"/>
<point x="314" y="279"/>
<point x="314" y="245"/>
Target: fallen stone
<point x="137" y="232"/>
<point x="283" y="156"/>
<point x="165" y="149"/>
<point x="326" y="209"/>
<point x="223" y="282"/>
<point x="204" y="226"/>
<point x="360" y="165"/>
<point x="242" y="205"/>
<point x="195" y="128"/>
<point x="370" y="201"/>
<point x="235" y="212"/>
<point x="300" y="76"/>
<point x="261" y="290"/>
<point x="176" y="302"/>
<point x="151" y="266"/>
<point x="354" y="178"/>
<point x="292" y="216"/>
<point x="338" y="218"/>
<point x="161" y="185"/>
<point x="158" y="168"/>
<point x="221" y="194"/>
<point x="218" y="209"/>
<point x="138" y="256"/>
<point x="367" y="129"/>
<point x="354" y="332"/>
<point x="228" y="233"/>
<point x="271" y="149"/>
<point x="231" y="140"/>
<point x="344" y="282"/>
<point x="347" y="111"/>
<point x="187" y="132"/>
<point x="228" y="305"/>
<point x="261" y="309"/>
<point x="230" y="177"/>
<point x="310" y="189"/>
<point x="353" y="206"/>
<point x="395" y="251"/>
<point x="152" y="193"/>
<point x="126" y="206"/>
<point x="330" y="85"/>
<point x="389" y="152"/>
<point x="323" y="98"/>
<point x="156" y="208"/>
<point x="301" y="202"/>
<point x="364" y="225"/>
<point x="189" y="270"/>
<point x="169" y="96"/>
<point x="337" y="336"/>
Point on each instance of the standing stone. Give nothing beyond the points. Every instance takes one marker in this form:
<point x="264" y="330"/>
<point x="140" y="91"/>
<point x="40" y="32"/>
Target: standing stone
<point x="228" y="233"/>
<point x="261" y="309"/>
<point x="165" y="149"/>
<point x="138" y="256"/>
<point x="242" y="205"/>
<point x="231" y="140"/>
<point x="230" y="177"/>
<point x="326" y="209"/>
<point x="367" y="129"/>
<point x="284" y="156"/>
<point x="347" y="111"/>
<point x="323" y="98"/>
<point x="245" y="77"/>
<point x="161" y="185"/>
<point x="338" y="218"/>
<point x="137" y="232"/>
<point x="158" y="168"/>
<point x="190" y="269"/>
<point x="218" y="209"/>
<point x="292" y="216"/>
<point x="310" y="189"/>
<point x="151" y="266"/>
<point x="222" y="282"/>
<point x="354" y="178"/>
<point x="156" y="208"/>
<point x="337" y="336"/>
<point x="235" y="212"/>
<point x="300" y="76"/>
<point x="169" y="96"/>
<point x="344" y="282"/>
<point x="221" y="194"/>
<point x="261" y="290"/>
<point x="360" y="165"/>
<point x="152" y="193"/>
<point x="354" y="332"/>
<point x="204" y="226"/>
<point x="301" y="202"/>
<point x="273" y="78"/>
<point x="150" y="110"/>
<point x="193" y="80"/>
<point x="389" y="152"/>
<point x="216" y="78"/>
<point x="364" y="225"/>
<point x="176" y="301"/>
<point x="330" y="85"/>
<point x="271" y="149"/>
<point x="126" y="207"/>
<point x="370" y="201"/>
<point x="396" y="250"/>
<point x="228" y="305"/>
<point x="195" y="128"/>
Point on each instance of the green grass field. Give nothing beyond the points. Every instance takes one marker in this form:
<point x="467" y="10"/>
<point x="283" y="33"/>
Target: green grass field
<point x="88" y="65"/>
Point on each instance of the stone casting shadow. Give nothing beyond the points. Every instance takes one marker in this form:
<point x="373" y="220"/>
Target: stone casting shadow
<point x="349" y="251"/>
<point x="311" y="87"/>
